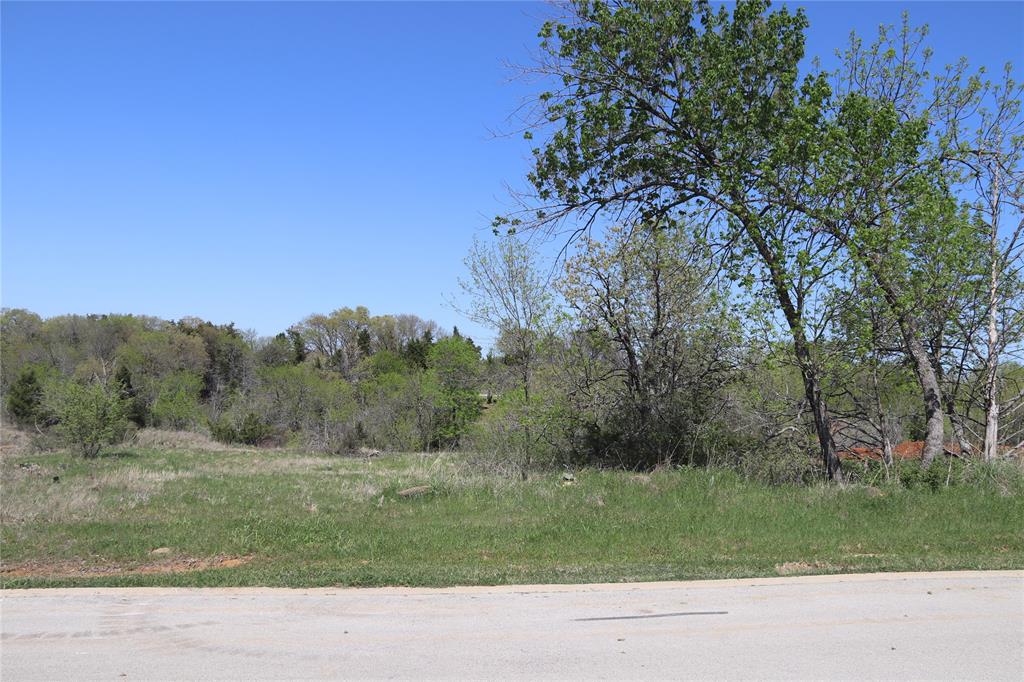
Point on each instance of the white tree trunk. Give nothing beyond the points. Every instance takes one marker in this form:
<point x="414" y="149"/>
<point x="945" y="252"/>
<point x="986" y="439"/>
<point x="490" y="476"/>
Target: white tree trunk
<point x="992" y="361"/>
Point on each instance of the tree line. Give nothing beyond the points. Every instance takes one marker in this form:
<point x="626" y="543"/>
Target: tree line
<point x="333" y="382"/>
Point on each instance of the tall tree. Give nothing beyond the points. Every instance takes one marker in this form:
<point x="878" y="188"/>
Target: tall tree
<point x="667" y="110"/>
<point x="506" y="292"/>
<point x="984" y="146"/>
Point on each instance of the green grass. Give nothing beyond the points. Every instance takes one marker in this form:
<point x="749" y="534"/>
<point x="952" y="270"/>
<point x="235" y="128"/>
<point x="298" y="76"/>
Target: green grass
<point x="309" y="520"/>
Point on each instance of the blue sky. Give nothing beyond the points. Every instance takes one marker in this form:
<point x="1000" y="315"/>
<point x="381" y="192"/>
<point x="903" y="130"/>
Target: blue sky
<point x="257" y="162"/>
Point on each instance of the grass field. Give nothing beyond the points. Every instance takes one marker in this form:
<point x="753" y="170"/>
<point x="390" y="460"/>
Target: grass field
<point x="272" y="517"/>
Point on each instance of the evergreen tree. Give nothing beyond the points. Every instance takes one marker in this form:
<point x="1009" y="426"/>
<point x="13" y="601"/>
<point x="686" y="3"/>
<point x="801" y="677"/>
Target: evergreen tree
<point x="298" y="345"/>
<point x="25" y="396"/>
<point x="135" y="406"/>
<point x="363" y="340"/>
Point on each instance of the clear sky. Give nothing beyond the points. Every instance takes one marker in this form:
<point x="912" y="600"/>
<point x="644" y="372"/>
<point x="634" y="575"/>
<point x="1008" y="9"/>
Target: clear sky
<point x="258" y="162"/>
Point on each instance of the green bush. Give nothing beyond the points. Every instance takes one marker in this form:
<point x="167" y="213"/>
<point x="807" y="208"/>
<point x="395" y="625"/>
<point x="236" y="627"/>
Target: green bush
<point x="782" y="462"/>
<point x="88" y="416"/>
<point x="515" y="436"/>
<point x="250" y="429"/>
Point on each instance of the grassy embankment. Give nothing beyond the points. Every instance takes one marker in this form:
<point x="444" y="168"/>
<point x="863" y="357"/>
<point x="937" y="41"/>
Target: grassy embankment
<point x="245" y="517"/>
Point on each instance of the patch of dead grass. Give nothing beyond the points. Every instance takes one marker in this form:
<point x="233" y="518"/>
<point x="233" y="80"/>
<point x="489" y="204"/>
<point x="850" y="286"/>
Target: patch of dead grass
<point x="164" y="439"/>
<point x="14" y="442"/>
<point x="80" y="569"/>
<point x="31" y="493"/>
<point x="803" y="567"/>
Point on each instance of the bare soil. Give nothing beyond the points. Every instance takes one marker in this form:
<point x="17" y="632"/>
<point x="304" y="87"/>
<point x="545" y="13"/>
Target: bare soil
<point x="80" y="569"/>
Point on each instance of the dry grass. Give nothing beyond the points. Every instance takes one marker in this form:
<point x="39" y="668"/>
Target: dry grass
<point x="14" y="442"/>
<point x="160" y="439"/>
<point x="79" y="569"/>
<point x="806" y="568"/>
<point x="41" y="493"/>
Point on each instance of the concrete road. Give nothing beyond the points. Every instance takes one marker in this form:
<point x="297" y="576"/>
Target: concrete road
<point x="909" y="626"/>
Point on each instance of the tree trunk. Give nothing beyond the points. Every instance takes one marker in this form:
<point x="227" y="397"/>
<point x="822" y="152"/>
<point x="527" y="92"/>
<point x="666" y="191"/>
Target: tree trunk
<point x="932" y="393"/>
<point x="883" y="429"/>
<point x="886" y="451"/>
<point x="991" y="429"/>
<point x="959" y="432"/>
<point x="808" y="368"/>
<point x="927" y="377"/>
<point x="822" y="419"/>
<point x="991" y="448"/>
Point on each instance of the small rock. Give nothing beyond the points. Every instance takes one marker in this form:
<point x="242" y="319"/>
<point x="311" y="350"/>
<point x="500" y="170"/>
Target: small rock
<point x="160" y="551"/>
<point x="414" y="491"/>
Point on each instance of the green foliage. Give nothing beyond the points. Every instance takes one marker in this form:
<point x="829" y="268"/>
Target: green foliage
<point x="659" y="346"/>
<point x="455" y="362"/>
<point x="517" y="435"/>
<point x="25" y="396"/>
<point x="88" y="416"/>
<point x="298" y="345"/>
<point x="21" y="333"/>
<point x="177" y="401"/>
<point x="137" y="410"/>
<point x="385" y="362"/>
<point x="398" y="410"/>
<point x="508" y="293"/>
<point x="151" y="355"/>
<point x="456" y="411"/>
<point x="275" y="352"/>
<point x="334" y="338"/>
<point x="228" y="362"/>
<point x="249" y="429"/>
<point x="316" y="407"/>
<point x="417" y="350"/>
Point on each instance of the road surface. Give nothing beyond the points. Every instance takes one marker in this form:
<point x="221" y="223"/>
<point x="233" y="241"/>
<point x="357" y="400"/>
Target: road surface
<point x="908" y="626"/>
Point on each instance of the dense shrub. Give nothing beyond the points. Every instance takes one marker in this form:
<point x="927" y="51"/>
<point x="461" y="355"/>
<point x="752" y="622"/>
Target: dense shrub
<point x="249" y="429"/>
<point x="88" y="416"/>
<point x="516" y="435"/>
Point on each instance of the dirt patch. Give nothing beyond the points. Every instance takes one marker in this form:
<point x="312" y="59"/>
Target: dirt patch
<point x="800" y="567"/>
<point x="80" y="569"/>
<point x="907" y="450"/>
